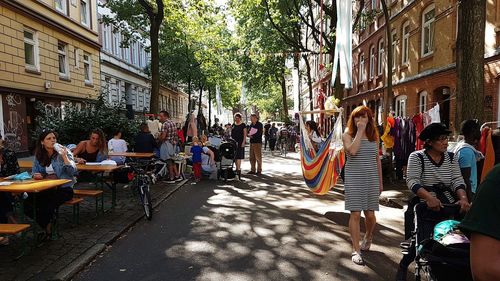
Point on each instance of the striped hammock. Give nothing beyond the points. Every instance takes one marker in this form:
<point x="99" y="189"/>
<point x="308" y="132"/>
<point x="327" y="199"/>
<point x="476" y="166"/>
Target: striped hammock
<point x="321" y="169"/>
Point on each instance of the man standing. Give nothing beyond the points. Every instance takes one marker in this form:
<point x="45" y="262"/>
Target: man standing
<point x="255" y="134"/>
<point x="468" y="156"/>
<point x="266" y="133"/>
<point x="168" y="140"/>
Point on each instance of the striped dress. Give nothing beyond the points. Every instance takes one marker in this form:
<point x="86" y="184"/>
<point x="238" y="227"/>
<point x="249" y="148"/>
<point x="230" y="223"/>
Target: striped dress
<point x="362" y="179"/>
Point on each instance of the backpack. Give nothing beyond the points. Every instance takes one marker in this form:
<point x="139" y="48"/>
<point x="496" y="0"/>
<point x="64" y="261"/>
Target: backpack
<point x="443" y="193"/>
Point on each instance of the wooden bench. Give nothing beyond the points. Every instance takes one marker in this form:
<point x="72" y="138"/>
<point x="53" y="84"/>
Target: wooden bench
<point x="75" y="202"/>
<point x="13" y="229"/>
<point x="78" y="193"/>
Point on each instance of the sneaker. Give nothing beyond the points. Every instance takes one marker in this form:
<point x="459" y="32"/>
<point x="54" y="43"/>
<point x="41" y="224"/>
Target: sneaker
<point x="365" y="244"/>
<point x="177" y="179"/>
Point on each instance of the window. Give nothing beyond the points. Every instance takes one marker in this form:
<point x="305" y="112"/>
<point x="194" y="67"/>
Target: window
<point x="118" y="91"/>
<point x="61" y="6"/>
<point x="380" y="60"/>
<point x="406" y="43"/>
<point x="372" y="61"/>
<point x="361" y="68"/>
<point x="106" y="40"/>
<point x="126" y="53"/>
<point x="401" y="106"/>
<point x="31" y="50"/>
<point x="394" y="45"/>
<point x="422" y="101"/>
<point x="106" y="88"/>
<point x="85" y="12"/>
<point x="87" y="68"/>
<point x="362" y="20"/>
<point x="116" y="44"/>
<point x="63" y="59"/>
<point x="428" y="30"/>
<point x="135" y="53"/>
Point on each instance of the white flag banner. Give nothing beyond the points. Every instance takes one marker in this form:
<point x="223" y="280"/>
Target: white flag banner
<point x="343" y="44"/>
<point x="218" y="100"/>
<point x="243" y="98"/>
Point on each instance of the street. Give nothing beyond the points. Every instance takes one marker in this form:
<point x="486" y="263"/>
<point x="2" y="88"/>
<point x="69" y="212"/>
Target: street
<point x="264" y="228"/>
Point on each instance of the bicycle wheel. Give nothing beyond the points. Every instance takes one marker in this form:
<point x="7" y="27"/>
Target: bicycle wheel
<point x="146" y="201"/>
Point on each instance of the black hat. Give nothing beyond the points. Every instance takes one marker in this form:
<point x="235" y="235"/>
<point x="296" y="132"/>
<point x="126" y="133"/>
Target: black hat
<point x="433" y="131"/>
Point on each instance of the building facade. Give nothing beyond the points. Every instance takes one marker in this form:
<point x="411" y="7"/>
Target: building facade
<point x="424" y="36"/>
<point x="124" y="80"/>
<point x="49" y="52"/>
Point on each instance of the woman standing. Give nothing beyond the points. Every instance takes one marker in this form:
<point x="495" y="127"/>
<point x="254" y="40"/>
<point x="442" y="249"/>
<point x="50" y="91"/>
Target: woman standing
<point x="363" y="177"/>
<point x="50" y="164"/>
<point x="239" y="134"/>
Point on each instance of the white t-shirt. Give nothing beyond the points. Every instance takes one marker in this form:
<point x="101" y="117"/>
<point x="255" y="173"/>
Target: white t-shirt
<point x="117" y="145"/>
<point x="206" y="163"/>
<point x="50" y="170"/>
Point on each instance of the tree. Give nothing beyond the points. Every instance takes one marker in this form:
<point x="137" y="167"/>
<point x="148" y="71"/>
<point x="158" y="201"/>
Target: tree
<point x="470" y="60"/>
<point x="140" y="15"/>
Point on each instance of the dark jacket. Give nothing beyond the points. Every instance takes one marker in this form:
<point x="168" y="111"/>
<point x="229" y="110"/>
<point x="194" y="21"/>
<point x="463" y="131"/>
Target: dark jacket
<point x="145" y="142"/>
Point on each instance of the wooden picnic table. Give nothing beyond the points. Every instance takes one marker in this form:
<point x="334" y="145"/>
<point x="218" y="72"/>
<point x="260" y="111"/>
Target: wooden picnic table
<point x="33" y="187"/>
<point x="98" y="169"/>
<point x="133" y="154"/>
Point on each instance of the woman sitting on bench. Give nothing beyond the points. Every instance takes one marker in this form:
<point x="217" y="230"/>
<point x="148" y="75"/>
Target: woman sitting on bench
<point x="50" y="164"/>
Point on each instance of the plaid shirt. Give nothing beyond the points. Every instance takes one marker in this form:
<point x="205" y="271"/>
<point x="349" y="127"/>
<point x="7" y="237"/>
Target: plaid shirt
<point x="171" y="131"/>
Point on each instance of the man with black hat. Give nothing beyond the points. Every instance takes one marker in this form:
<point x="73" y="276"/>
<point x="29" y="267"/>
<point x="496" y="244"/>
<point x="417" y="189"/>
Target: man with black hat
<point x="433" y="174"/>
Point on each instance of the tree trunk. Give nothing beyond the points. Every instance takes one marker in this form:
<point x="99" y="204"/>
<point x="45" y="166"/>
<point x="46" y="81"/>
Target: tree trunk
<point x="470" y="60"/>
<point x="155" y="64"/>
<point x="189" y="94"/>
<point x="309" y="84"/>
<point x="209" y="108"/>
<point x="284" y="97"/>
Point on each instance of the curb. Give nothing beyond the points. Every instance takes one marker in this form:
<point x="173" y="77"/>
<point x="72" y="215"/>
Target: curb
<point x="386" y="201"/>
<point x="80" y="262"/>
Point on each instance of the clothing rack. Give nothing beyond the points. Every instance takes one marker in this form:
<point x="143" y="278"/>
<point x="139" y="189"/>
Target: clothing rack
<point x="489" y="123"/>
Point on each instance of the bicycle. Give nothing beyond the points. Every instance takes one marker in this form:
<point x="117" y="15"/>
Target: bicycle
<point x="143" y="177"/>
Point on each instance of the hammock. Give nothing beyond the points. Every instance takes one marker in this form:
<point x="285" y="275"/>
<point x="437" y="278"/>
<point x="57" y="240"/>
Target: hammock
<point x="321" y="169"/>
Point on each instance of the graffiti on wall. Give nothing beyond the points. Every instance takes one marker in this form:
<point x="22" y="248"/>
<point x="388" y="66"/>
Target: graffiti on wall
<point x="14" y="122"/>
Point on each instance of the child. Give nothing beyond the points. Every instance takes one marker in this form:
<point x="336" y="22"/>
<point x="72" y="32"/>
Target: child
<point x="196" y="151"/>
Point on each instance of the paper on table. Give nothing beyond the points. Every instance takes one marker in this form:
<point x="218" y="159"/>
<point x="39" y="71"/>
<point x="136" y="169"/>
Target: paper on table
<point x="93" y="163"/>
<point x="6" y="183"/>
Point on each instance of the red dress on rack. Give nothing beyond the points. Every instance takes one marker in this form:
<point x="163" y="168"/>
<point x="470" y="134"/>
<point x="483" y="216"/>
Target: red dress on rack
<point x="419" y="126"/>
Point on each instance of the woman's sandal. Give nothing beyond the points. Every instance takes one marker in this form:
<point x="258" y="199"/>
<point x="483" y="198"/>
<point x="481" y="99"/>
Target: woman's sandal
<point x="365" y="244"/>
<point x="357" y="259"/>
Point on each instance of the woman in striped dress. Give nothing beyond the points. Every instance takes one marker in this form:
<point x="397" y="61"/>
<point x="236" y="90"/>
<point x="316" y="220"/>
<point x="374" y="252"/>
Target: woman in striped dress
<point x="363" y="177"/>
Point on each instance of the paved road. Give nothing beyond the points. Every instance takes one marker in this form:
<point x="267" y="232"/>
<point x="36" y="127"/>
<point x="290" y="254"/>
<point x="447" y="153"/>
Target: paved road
<point x="267" y="228"/>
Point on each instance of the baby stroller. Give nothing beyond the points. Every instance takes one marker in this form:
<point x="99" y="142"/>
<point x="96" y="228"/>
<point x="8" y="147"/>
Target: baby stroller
<point x="225" y="160"/>
<point x="434" y="261"/>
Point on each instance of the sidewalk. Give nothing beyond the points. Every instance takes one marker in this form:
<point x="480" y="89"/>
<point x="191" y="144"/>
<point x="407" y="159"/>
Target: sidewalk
<point x="79" y="244"/>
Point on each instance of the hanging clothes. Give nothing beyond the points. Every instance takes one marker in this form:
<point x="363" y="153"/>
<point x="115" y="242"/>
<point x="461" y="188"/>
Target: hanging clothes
<point x="386" y="138"/>
<point x="489" y="154"/>
<point x="418" y="121"/>
<point x="343" y="44"/>
<point x="495" y="137"/>
<point x="434" y="114"/>
<point x="426" y="119"/>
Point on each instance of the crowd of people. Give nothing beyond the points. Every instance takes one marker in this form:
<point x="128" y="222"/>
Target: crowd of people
<point x="435" y="175"/>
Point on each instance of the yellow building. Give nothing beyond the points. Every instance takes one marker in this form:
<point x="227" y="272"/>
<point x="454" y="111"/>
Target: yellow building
<point x="175" y="103"/>
<point x="49" y="51"/>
